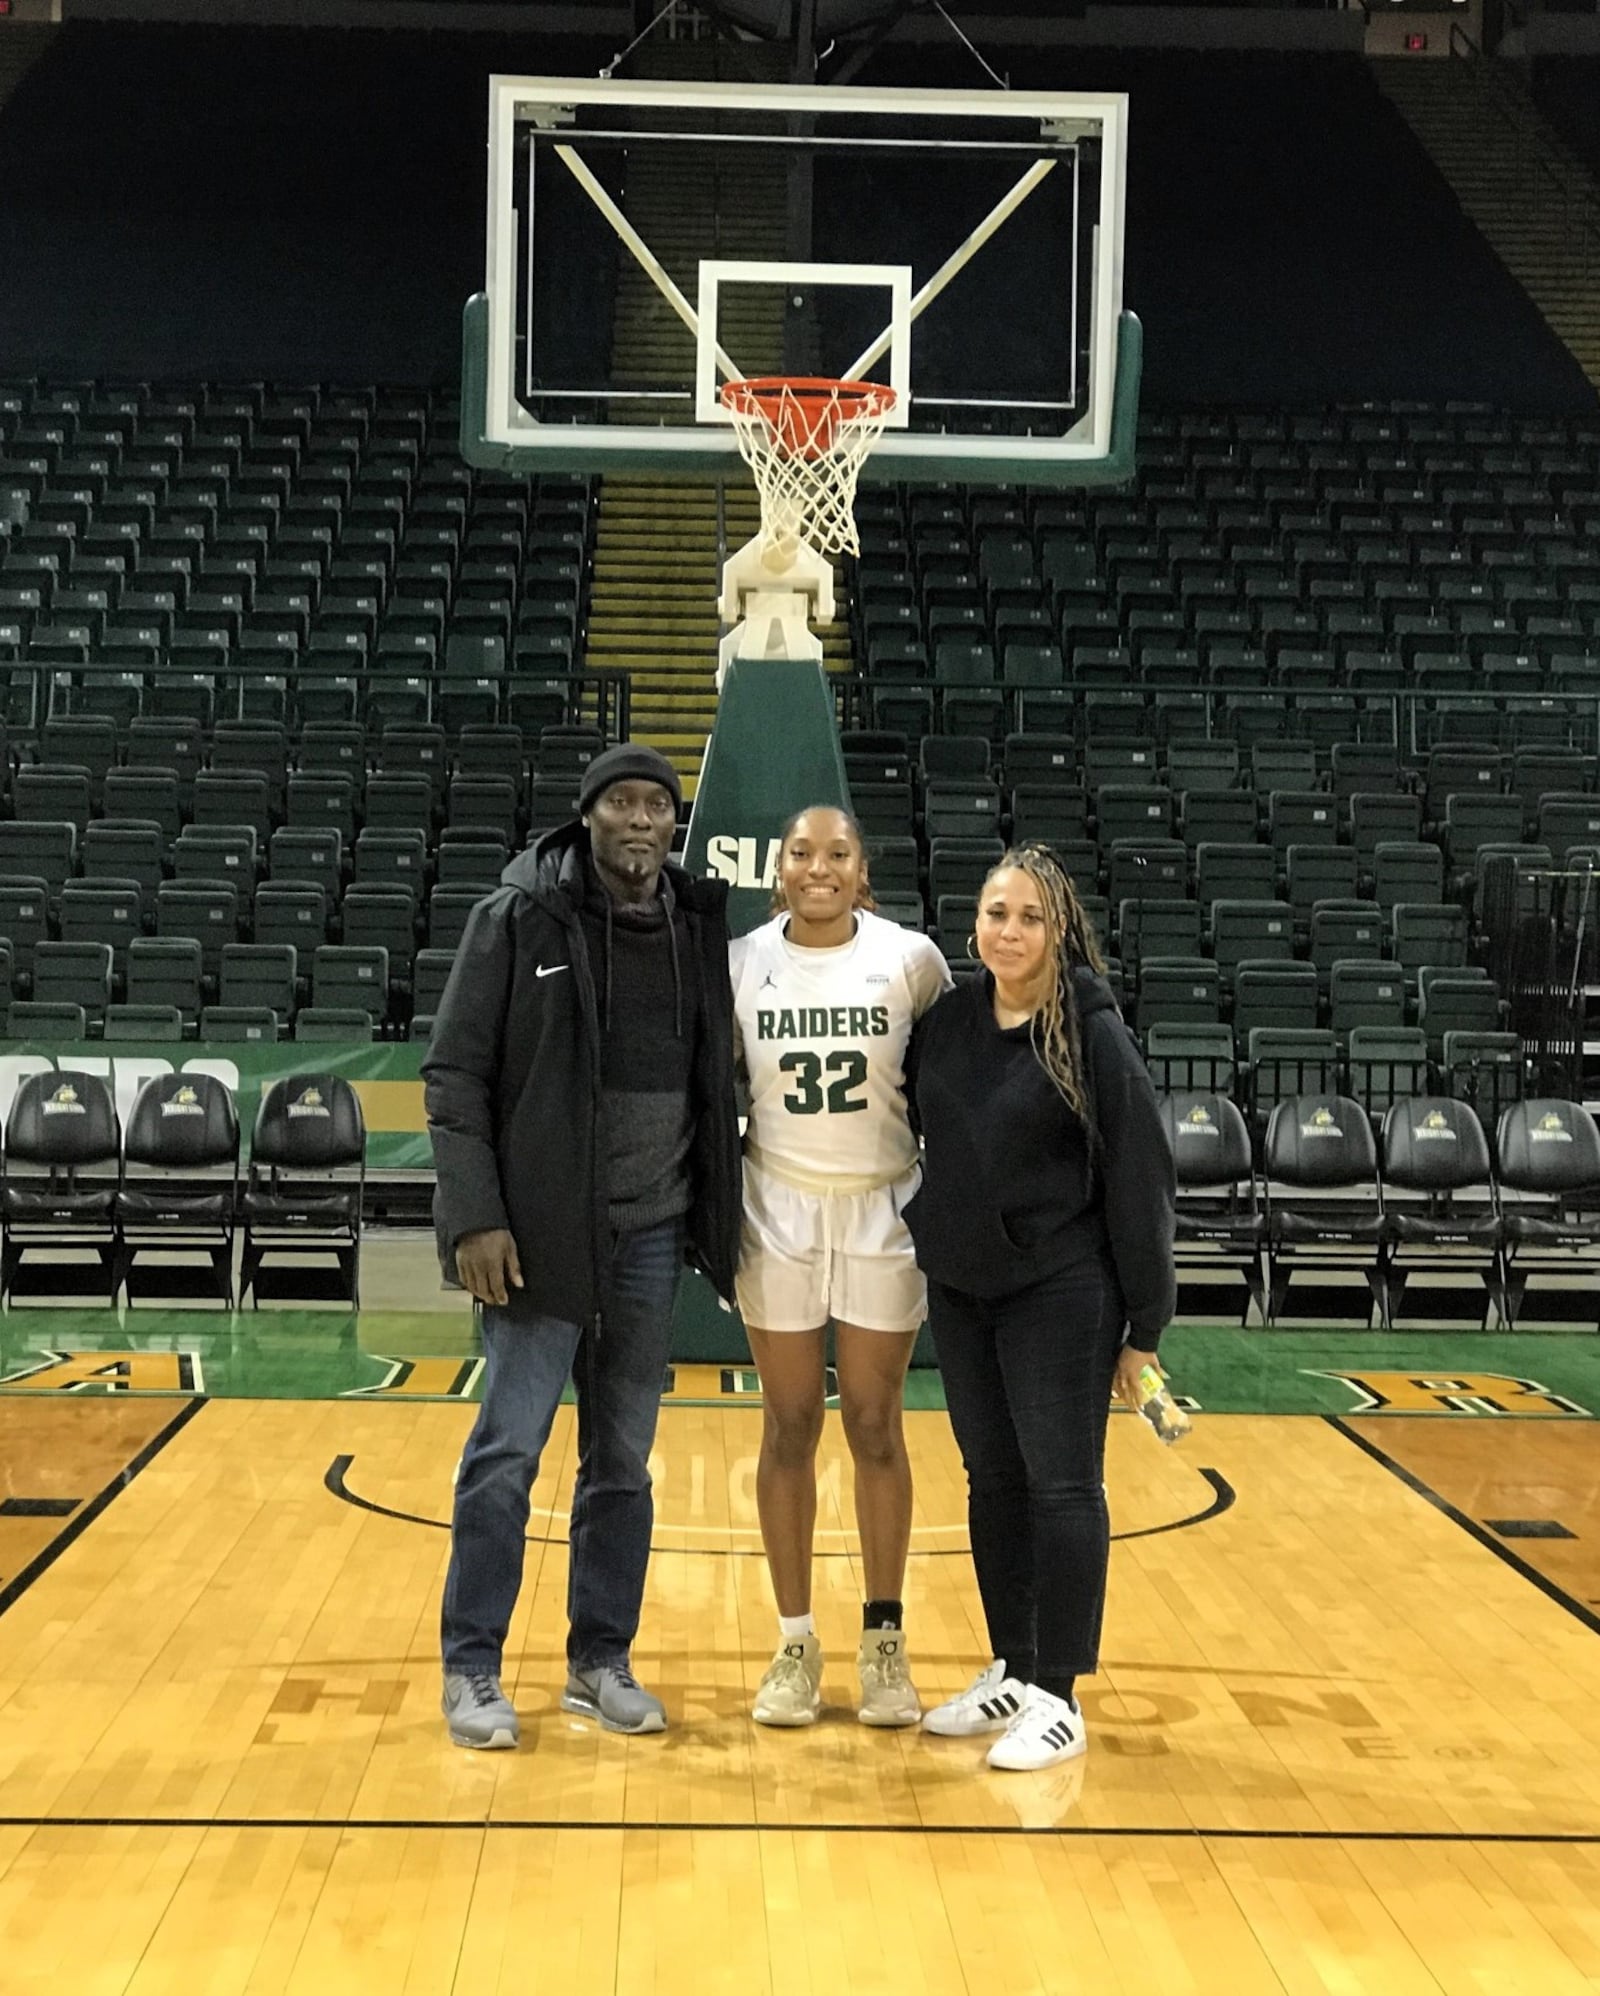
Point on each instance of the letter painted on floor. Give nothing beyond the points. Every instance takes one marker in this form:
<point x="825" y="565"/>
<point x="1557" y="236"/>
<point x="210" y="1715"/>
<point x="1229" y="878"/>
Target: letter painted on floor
<point x="109" y="1372"/>
<point x="1451" y="1393"/>
<point x="1329" y="1708"/>
<point x="422" y="1379"/>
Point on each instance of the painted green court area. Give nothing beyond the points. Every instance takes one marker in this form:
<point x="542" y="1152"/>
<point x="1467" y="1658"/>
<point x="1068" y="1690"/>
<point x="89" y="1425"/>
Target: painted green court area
<point x="325" y="1354"/>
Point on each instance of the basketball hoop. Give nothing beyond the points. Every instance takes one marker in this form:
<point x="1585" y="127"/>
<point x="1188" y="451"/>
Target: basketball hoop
<point x="806" y="439"/>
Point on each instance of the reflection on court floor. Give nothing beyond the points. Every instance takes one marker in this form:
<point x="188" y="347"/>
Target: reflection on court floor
<point x="218" y="1705"/>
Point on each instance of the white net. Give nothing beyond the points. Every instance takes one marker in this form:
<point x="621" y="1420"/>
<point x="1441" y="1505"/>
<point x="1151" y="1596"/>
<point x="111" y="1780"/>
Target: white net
<point x="806" y="441"/>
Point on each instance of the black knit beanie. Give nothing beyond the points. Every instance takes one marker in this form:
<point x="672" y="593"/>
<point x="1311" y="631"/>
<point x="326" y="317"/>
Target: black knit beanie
<point x="616" y="765"/>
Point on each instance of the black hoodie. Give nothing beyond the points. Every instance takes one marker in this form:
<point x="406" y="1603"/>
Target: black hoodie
<point x="1012" y="1189"/>
<point x="514" y="1092"/>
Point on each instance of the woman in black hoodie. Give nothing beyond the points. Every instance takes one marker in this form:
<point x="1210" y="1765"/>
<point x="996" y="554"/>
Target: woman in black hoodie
<point x="1044" y="1226"/>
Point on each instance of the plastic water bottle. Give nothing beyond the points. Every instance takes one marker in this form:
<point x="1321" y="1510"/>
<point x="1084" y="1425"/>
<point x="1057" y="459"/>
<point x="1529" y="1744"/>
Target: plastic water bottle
<point x="1159" y="1408"/>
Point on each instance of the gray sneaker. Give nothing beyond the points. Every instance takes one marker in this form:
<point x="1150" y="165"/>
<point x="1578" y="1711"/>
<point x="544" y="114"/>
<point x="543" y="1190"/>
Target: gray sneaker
<point x="612" y="1694"/>
<point x="477" y="1711"/>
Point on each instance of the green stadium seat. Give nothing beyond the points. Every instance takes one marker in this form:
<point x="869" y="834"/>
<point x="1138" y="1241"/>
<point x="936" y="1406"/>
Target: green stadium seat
<point x="1179" y="992"/>
<point x="1156" y="928"/>
<point x="1386" y="1064"/>
<point x="1190" y="1057"/>
<point x="1278" y="994"/>
<point x="1233" y="872"/>
<point x="1363" y="993"/>
<point x="1285" y="1062"/>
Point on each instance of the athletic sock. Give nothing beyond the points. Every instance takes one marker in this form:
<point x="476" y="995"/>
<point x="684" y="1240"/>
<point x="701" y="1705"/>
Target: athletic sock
<point x="883" y="1615"/>
<point x="793" y="1627"/>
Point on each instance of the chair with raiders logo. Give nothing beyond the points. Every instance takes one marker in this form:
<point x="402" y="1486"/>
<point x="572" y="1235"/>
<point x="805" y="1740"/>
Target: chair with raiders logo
<point x="179" y="1192"/>
<point x="303" y="1193"/>
<point x="1324" y="1199"/>
<point x="1547" y="1158"/>
<point x="1220" y="1225"/>
<point x="1440" y="1213"/>
<point x="59" y="1190"/>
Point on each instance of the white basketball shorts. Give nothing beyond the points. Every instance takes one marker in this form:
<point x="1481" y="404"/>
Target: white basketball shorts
<point x="808" y="1256"/>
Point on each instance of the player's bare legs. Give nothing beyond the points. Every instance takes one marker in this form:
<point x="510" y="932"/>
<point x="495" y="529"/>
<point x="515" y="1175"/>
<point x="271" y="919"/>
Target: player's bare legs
<point x="872" y="1371"/>
<point x="792" y="1367"/>
<point x="872" y="1376"/>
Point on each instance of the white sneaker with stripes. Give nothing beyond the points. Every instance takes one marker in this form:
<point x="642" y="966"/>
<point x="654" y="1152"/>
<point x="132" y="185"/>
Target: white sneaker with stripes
<point x="1047" y="1729"/>
<point x="989" y="1702"/>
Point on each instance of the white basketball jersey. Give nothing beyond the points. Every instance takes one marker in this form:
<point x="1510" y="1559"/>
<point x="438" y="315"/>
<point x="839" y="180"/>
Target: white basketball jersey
<point x="821" y="1035"/>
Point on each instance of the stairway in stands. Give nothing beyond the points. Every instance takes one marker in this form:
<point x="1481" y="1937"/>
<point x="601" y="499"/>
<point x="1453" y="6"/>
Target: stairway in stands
<point x="21" y="45"/>
<point x="1534" y="201"/>
<point x="659" y="541"/>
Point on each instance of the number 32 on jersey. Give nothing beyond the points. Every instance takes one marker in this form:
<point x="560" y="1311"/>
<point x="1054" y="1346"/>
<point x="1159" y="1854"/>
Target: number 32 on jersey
<point x="842" y="1095"/>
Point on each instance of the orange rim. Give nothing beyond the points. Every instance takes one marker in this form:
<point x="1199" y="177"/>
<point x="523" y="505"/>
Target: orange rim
<point x="803" y="412"/>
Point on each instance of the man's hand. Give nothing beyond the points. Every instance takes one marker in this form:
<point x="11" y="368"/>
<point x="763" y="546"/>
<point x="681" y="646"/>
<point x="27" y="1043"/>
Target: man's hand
<point x="487" y="1264"/>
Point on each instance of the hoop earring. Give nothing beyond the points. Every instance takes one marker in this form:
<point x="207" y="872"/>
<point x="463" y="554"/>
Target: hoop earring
<point x="972" y="945"/>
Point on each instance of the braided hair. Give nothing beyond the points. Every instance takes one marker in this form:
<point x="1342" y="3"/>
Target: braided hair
<point x="864" y="895"/>
<point x="1072" y="941"/>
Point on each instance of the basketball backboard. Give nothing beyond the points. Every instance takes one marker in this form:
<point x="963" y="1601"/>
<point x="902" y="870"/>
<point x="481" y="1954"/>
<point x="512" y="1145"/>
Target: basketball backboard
<point x="649" y="240"/>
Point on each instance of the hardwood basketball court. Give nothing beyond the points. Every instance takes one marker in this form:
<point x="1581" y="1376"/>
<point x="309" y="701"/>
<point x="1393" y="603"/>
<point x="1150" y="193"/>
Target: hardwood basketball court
<point x="1345" y="1736"/>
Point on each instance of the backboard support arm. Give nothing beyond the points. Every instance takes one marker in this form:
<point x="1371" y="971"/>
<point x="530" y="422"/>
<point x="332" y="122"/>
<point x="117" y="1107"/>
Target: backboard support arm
<point x="952" y="267"/>
<point x="641" y="253"/>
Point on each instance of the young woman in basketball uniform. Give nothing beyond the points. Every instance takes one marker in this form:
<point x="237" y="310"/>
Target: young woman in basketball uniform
<point x="1044" y="1225"/>
<point x="824" y="997"/>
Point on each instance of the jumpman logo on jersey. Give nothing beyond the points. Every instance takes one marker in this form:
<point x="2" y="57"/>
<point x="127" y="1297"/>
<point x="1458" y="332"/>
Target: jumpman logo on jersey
<point x="769" y="982"/>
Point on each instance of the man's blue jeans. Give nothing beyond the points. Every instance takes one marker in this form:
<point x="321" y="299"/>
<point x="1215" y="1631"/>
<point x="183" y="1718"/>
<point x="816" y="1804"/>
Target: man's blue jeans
<point x="619" y="1377"/>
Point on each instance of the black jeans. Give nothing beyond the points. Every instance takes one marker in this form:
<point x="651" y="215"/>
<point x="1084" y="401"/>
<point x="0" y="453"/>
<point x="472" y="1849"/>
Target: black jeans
<point x="1027" y="1379"/>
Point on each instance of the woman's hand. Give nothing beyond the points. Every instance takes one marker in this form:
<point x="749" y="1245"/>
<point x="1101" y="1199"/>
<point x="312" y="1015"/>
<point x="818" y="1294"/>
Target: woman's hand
<point x="1130" y="1363"/>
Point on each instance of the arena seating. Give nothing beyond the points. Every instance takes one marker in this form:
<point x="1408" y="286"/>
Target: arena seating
<point x="1429" y="1194"/>
<point x="62" y="1149"/>
<point x="1281" y="707"/>
<point x="277" y="672"/>
<point x="176" y="1201"/>
<point x="286" y="683"/>
<point x="156" y="1202"/>
<point x="300" y="1203"/>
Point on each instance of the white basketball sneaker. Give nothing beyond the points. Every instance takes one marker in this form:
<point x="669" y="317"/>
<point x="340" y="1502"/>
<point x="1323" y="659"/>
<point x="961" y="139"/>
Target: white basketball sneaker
<point x="989" y="1702"/>
<point x="888" y="1697"/>
<point x="790" y="1693"/>
<point x="1047" y="1729"/>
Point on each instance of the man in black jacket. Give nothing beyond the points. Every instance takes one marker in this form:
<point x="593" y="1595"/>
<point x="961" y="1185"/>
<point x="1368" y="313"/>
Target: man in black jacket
<point x="580" y="1101"/>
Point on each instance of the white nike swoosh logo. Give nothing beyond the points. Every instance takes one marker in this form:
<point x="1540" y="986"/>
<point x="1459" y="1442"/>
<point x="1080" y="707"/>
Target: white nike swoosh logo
<point x="550" y="969"/>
